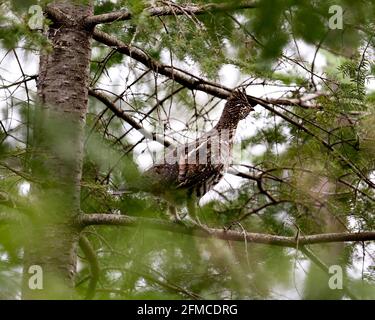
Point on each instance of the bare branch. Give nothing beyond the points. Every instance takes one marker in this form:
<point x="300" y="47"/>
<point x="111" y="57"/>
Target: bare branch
<point x="170" y="9"/>
<point x="108" y="17"/>
<point x="121" y="114"/>
<point x="17" y="83"/>
<point x="186" y="79"/>
<point x="229" y="235"/>
<point x="301" y="102"/>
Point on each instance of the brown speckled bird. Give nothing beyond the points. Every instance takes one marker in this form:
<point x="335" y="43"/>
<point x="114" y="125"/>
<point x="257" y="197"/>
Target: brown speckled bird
<point x="190" y="170"/>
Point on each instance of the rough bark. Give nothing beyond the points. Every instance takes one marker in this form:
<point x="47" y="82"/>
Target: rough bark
<point x="58" y="151"/>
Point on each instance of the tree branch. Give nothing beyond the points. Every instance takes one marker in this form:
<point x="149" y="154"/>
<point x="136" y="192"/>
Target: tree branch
<point x="189" y="80"/>
<point x="231" y="235"/>
<point x="17" y="83"/>
<point x="121" y="114"/>
<point x="170" y="9"/>
<point x="186" y="79"/>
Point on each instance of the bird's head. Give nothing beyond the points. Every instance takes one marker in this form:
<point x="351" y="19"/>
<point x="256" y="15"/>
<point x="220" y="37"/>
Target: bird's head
<point x="239" y="104"/>
<point x="237" y="108"/>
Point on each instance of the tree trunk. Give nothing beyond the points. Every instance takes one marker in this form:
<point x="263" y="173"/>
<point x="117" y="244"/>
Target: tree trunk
<point x="58" y="152"/>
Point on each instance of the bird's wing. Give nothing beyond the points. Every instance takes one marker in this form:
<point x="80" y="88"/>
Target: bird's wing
<point x="202" y="162"/>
